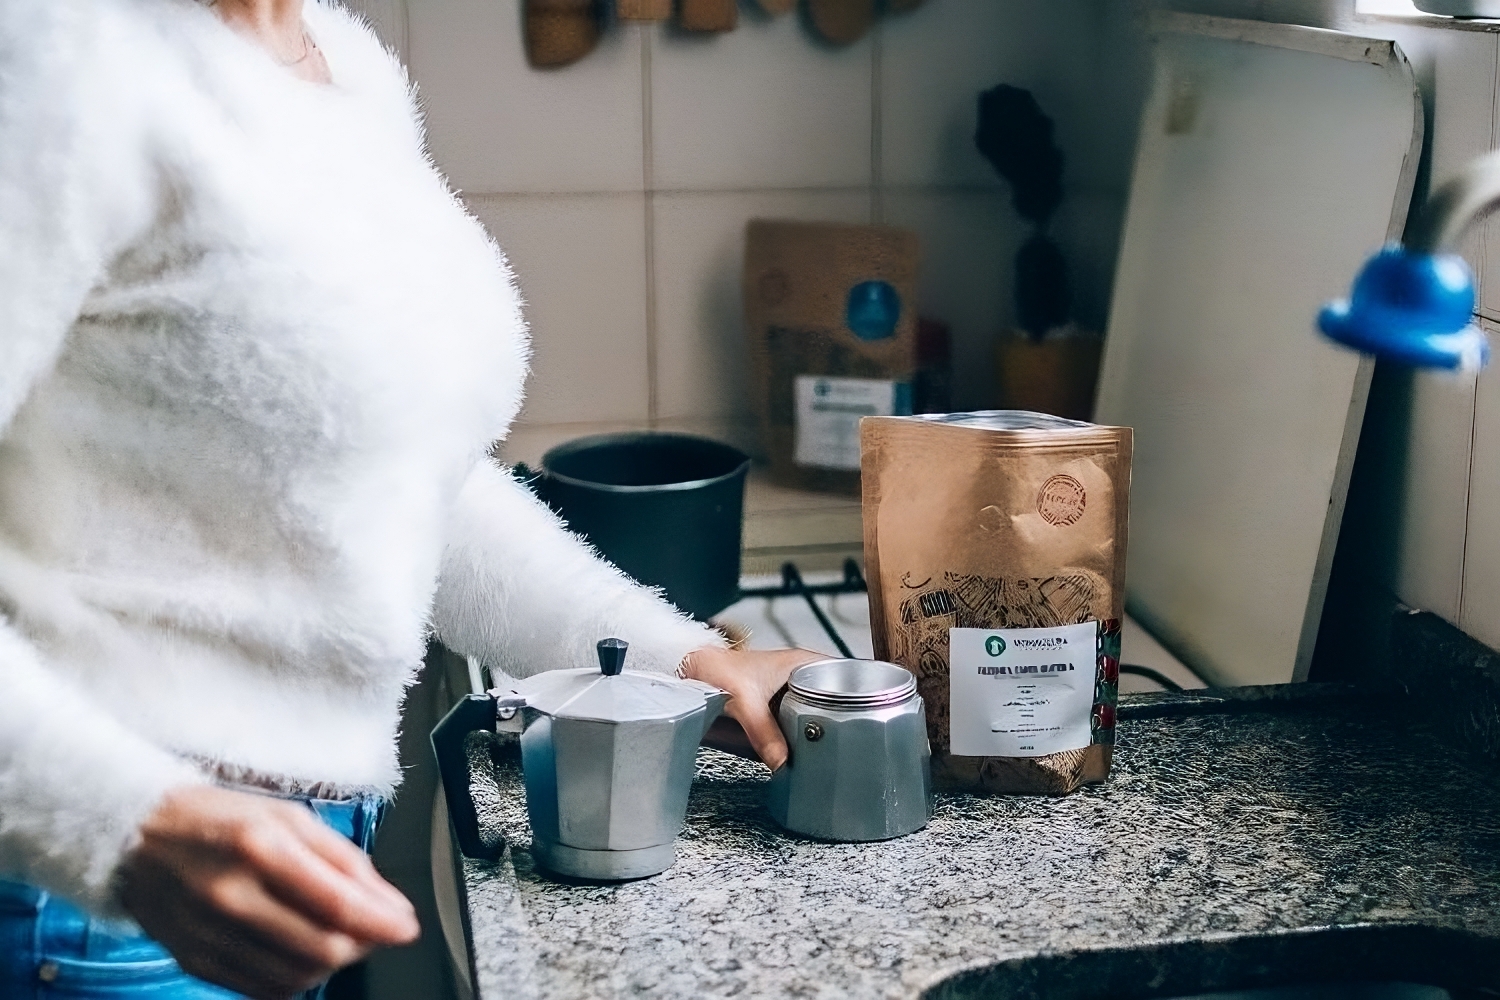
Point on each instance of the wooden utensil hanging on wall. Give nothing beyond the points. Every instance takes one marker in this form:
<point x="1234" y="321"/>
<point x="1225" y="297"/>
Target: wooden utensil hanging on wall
<point x="842" y="22"/>
<point x="559" y="32"/>
<point x="708" y="15"/>
<point x="643" y="10"/>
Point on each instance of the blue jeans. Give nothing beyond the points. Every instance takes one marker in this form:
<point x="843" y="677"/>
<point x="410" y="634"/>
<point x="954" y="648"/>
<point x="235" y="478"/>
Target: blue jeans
<point x="51" y="950"/>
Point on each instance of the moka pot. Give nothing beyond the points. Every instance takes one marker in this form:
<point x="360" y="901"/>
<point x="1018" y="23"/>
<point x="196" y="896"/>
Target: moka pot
<point x="607" y="757"/>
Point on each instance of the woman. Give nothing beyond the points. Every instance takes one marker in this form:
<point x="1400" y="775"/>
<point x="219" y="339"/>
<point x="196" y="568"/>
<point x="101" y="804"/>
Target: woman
<point x="252" y="355"/>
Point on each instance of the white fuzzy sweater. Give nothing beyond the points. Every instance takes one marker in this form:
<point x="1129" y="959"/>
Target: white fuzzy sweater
<point x="252" y="355"/>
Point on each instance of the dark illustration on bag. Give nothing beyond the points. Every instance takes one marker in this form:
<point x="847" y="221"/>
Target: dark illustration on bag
<point x="974" y="601"/>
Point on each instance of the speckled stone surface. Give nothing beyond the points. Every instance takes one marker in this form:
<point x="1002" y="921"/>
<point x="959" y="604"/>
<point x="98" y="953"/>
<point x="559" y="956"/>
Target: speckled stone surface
<point x="1240" y="841"/>
<point x="1453" y="673"/>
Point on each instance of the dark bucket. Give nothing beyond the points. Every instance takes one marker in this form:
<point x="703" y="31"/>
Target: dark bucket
<point x="666" y="508"/>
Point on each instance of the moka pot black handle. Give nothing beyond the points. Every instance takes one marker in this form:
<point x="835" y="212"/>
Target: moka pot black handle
<point x="473" y="712"/>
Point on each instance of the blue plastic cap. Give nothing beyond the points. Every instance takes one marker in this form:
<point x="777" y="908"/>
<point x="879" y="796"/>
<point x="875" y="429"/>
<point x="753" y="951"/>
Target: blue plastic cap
<point x="1411" y="308"/>
<point x="873" y="311"/>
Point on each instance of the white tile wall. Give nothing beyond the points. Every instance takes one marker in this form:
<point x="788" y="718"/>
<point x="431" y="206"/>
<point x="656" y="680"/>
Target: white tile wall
<point x="1456" y="71"/>
<point x="497" y="125"/>
<point x="620" y="185"/>
<point x="1463" y="127"/>
<point x="702" y="361"/>
<point x="388" y="18"/>
<point x="936" y="60"/>
<point x="529" y="442"/>
<point x="1445" y="550"/>
<point x="581" y="264"/>
<point x="763" y="106"/>
<point x="1435" y="502"/>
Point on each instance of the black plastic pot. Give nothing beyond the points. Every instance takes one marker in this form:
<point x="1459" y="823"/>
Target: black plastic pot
<point x="667" y="509"/>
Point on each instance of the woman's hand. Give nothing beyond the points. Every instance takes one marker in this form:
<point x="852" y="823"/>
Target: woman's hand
<point x="255" y="894"/>
<point x="752" y="678"/>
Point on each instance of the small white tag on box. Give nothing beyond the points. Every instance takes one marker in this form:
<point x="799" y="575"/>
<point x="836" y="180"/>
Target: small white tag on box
<point x="828" y="414"/>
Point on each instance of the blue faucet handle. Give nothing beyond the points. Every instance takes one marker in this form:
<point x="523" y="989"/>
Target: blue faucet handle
<point x="1412" y="308"/>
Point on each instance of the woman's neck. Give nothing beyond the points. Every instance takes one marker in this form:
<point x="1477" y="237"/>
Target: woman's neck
<point x="274" y="22"/>
<point x="277" y="26"/>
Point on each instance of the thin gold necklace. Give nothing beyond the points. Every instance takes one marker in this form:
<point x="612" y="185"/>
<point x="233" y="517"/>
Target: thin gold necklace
<point x="308" y="46"/>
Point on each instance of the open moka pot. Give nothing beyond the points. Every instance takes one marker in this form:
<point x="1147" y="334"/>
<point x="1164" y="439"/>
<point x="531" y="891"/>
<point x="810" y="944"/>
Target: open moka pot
<point x="607" y="757"/>
<point x="860" y="766"/>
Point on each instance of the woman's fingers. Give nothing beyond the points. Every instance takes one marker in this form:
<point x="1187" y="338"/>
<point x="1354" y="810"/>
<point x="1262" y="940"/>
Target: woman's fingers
<point x="754" y="716"/>
<point x="752" y="678"/>
<point x="300" y="876"/>
<point x="246" y="903"/>
<point x="256" y="895"/>
<point x="344" y="856"/>
<point x="728" y="735"/>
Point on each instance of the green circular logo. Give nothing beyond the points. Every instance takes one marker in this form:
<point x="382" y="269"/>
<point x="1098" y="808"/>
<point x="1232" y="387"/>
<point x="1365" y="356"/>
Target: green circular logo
<point x="994" y="645"/>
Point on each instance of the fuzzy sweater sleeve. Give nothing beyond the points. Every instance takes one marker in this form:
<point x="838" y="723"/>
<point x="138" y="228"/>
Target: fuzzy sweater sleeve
<point x="74" y="782"/>
<point x="522" y="593"/>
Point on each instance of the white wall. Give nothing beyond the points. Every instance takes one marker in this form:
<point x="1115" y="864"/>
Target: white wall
<point x="620" y="186"/>
<point x="1428" y="524"/>
<point x="1429" y="516"/>
<point x="1447" y="525"/>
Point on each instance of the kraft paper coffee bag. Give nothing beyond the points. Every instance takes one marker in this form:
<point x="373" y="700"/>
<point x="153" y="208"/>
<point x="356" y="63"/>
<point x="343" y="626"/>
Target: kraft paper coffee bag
<point x="995" y="554"/>
<point x="830" y="311"/>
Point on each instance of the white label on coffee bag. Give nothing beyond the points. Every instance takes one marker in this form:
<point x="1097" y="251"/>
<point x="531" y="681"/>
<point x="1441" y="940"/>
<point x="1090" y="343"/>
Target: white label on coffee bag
<point x="828" y="412"/>
<point x="1021" y="692"/>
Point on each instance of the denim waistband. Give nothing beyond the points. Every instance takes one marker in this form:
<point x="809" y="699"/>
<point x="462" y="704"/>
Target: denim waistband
<point x="357" y="818"/>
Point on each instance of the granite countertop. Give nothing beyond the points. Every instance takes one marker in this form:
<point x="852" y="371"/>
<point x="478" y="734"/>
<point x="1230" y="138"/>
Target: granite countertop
<point x="1249" y="839"/>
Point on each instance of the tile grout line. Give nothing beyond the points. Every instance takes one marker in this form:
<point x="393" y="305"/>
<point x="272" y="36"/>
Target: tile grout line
<point x="877" y="114"/>
<point x="648" y="181"/>
<point x="1463" y="551"/>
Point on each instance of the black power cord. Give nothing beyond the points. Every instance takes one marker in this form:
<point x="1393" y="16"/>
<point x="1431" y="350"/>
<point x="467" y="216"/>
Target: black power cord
<point x="1151" y="675"/>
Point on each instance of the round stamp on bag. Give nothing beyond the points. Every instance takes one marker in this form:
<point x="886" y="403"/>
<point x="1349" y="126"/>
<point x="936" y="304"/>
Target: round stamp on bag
<point x="1061" y="501"/>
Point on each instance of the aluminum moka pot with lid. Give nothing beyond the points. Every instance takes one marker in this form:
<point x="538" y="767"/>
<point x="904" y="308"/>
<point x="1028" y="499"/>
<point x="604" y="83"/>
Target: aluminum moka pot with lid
<point x="607" y="756"/>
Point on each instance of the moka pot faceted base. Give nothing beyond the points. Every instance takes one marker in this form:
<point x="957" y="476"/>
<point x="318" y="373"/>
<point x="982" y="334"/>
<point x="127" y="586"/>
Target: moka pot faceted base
<point x="604" y="866"/>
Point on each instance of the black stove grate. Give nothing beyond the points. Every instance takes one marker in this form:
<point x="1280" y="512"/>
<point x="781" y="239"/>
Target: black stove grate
<point x="792" y="585"/>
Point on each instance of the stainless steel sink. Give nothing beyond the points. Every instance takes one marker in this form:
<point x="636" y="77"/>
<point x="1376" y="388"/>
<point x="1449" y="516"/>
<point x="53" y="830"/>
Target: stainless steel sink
<point x="1361" y="962"/>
